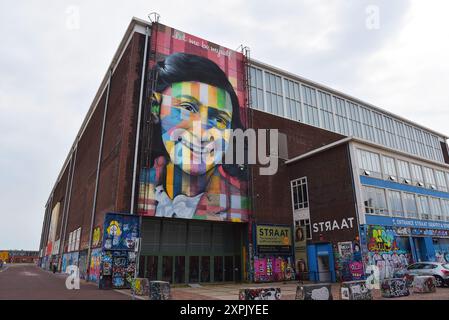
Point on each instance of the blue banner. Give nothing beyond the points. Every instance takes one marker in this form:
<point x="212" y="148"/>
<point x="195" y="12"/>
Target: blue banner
<point x="404" y="222"/>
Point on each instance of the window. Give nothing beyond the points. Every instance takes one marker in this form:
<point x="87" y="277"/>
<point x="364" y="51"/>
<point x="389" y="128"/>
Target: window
<point x="273" y="87"/>
<point x="410" y="205"/>
<point x="417" y="174"/>
<point x="435" y="208"/>
<point x="445" y="208"/>
<point x="429" y="178"/>
<point x="374" y="201"/>
<point x="441" y="180"/>
<point x="395" y="203"/>
<point x="402" y="136"/>
<point x="389" y="167"/>
<point x="326" y="110"/>
<point x="369" y="161"/>
<point x="390" y="134"/>
<point x="292" y="99"/>
<point x="404" y="171"/>
<point x="256" y="88"/>
<point x="368" y="128"/>
<point x="299" y="194"/>
<point x="305" y="223"/>
<point x="423" y="207"/>
<point x="354" y="120"/>
<point x="379" y="127"/>
<point x="310" y="106"/>
<point x="342" y="116"/>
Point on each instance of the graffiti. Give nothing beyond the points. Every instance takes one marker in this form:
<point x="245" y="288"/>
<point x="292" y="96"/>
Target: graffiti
<point x="260" y="294"/>
<point x="348" y="261"/>
<point x="200" y="94"/>
<point x="314" y="292"/>
<point x="355" y="290"/>
<point x="140" y="286"/>
<point x="356" y="269"/>
<point x="267" y="269"/>
<point x="159" y="290"/>
<point x="96" y="237"/>
<point x="94" y="266"/>
<point x="120" y="231"/>
<point x="424" y="284"/>
<point x="394" y="288"/>
<point x="390" y="253"/>
<point x="69" y="259"/>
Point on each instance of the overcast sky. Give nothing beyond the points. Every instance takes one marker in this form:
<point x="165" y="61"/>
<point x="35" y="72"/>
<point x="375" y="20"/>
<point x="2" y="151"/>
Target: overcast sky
<point x="54" y="54"/>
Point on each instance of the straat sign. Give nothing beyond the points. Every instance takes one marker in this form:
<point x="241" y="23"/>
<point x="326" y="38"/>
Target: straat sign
<point x="273" y="239"/>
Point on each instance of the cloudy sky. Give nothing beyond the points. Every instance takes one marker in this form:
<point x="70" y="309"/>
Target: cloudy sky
<point x="53" y="55"/>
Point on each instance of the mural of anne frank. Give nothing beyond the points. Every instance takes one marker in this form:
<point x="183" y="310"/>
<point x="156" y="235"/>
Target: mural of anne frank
<point x="194" y="106"/>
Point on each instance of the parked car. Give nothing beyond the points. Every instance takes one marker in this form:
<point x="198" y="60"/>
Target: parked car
<point x="437" y="269"/>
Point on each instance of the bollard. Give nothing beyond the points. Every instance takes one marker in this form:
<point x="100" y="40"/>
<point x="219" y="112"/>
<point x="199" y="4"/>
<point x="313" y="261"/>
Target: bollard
<point x="355" y="290"/>
<point x="396" y="287"/>
<point x="424" y="284"/>
<point x="260" y="294"/>
<point x="141" y="287"/>
<point x="319" y="291"/>
<point x="159" y="290"/>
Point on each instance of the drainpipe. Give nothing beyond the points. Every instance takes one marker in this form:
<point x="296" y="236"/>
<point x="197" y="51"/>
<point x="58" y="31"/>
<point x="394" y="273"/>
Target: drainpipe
<point x="97" y="178"/>
<point x="136" y="148"/>
<point x="73" y="163"/>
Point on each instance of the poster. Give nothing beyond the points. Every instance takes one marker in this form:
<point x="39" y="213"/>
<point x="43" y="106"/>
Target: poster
<point x="120" y="231"/>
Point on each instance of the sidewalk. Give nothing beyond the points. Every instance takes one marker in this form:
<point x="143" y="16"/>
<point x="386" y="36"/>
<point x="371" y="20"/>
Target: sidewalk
<point x="288" y="291"/>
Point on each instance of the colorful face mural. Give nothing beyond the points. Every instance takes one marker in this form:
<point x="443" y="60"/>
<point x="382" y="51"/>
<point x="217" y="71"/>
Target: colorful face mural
<point x="198" y="98"/>
<point x="389" y="252"/>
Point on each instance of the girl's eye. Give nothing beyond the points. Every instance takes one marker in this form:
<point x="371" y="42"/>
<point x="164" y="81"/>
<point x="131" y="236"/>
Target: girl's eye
<point x="188" y="106"/>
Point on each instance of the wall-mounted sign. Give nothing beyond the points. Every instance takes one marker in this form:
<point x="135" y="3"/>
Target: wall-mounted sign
<point x="403" y="222"/>
<point x="273" y="239"/>
<point x="332" y="225"/>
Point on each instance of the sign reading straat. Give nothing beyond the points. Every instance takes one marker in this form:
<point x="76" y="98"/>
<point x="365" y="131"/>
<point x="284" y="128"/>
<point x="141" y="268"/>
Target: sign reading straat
<point x="273" y="239"/>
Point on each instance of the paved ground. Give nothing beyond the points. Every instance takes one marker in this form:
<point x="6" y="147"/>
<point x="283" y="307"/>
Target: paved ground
<point x="25" y="281"/>
<point x="288" y="290"/>
<point x="31" y="282"/>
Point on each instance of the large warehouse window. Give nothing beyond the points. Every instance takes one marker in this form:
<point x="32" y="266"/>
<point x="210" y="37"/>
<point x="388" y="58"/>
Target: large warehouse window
<point x="410" y="205"/>
<point x="423" y="207"/>
<point x="310" y="106"/>
<point x="292" y="99"/>
<point x="395" y="203"/>
<point x="327" y="116"/>
<point x="300" y="196"/>
<point x="375" y="201"/>
<point x="256" y="88"/>
<point x="370" y="162"/>
<point x="273" y="86"/>
<point x="342" y="116"/>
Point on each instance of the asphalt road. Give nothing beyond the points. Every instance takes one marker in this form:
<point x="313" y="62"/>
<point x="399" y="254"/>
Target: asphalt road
<point x="28" y="282"/>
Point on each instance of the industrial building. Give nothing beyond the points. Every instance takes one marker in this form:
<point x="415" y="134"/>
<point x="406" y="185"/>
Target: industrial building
<point x="355" y="186"/>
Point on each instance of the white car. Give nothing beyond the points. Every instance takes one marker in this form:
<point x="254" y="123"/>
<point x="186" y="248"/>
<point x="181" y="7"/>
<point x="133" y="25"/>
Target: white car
<point x="437" y="269"/>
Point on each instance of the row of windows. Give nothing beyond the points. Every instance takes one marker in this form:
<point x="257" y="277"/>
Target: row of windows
<point x="402" y="204"/>
<point x="381" y="166"/>
<point x="287" y="98"/>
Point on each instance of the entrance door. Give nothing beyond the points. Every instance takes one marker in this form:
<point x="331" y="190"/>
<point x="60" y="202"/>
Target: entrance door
<point x="324" y="273"/>
<point x="420" y="249"/>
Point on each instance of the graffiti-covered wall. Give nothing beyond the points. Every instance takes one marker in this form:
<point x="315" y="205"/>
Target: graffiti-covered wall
<point x="348" y="261"/>
<point x="386" y="250"/>
<point x="273" y="268"/>
<point x="197" y="97"/>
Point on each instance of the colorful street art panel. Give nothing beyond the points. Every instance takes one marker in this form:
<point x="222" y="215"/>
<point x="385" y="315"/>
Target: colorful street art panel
<point x="120" y="231"/>
<point x="272" y="268"/>
<point x="348" y="261"/>
<point x="94" y="266"/>
<point x="198" y="98"/>
<point x="389" y="252"/>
